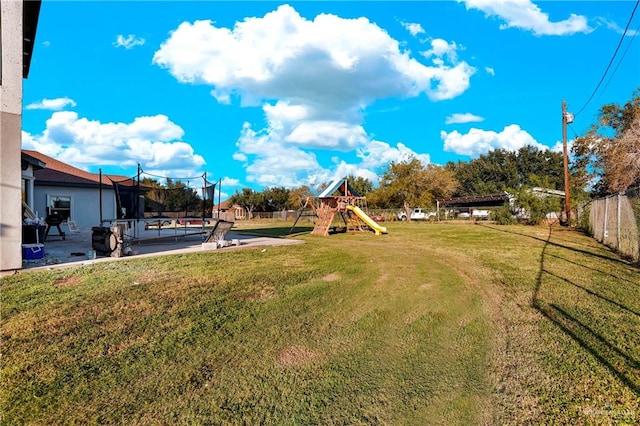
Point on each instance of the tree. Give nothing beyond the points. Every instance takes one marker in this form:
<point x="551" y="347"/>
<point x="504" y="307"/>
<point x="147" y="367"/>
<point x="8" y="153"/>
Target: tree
<point x="538" y="167"/>
<point x="500" y="170"/>
<point x="610" y="149"/>
<point x="401" y="185"/>
<point x="626" y="172"/>
<point x="155" y="197"/>
<point x="491" y="173"/>
<point x="298" y="196"/>
<point x="441" y="182"/>
<point x="361" y="186"/>
<point x="248" y="199"/>
<point x="275" y="199"/>
<point x="179" y="197"/>
<point x="411" y="184"/>
<point x="537" y="206"/>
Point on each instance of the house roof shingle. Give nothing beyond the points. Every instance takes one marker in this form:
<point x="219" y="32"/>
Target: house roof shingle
<point x="56" y="171"/>
<point x="28" y="160"/>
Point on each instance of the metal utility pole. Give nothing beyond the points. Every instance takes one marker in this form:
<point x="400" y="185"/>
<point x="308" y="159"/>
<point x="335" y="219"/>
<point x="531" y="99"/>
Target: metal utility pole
<point x="566" y="119"/>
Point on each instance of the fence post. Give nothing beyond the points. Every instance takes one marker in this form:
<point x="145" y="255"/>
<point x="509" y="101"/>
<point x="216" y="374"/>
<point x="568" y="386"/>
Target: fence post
<point x="606" y="214"/>
<point x="618" y="220"/>
<point x="594" y="224"/>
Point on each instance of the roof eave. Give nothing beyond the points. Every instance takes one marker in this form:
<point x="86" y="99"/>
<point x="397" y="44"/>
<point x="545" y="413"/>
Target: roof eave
<point x="30" y="15"/>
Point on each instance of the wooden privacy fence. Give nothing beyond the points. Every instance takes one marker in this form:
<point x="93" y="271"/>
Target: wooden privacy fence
<point x="614" y="220"/>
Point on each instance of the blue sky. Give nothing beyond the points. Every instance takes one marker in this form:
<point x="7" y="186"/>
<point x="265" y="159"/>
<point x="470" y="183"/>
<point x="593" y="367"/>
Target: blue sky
<point x="261" y="94"/>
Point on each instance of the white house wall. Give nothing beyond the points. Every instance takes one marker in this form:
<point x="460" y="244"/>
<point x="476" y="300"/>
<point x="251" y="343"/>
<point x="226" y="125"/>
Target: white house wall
<point x="85" y="203"/>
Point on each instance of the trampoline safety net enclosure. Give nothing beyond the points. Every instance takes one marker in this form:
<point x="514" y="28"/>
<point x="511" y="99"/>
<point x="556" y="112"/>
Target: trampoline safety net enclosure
<point x="111" y="241"/>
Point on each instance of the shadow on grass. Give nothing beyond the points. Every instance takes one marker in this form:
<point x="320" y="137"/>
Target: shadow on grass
<point x="611" y="258"/>
<point x="589" y="253"/>
<point x="276" y="232"/>
<point x="594" y="269"/>
<point x="592" y="293"/>
<point x="620" y="364"/>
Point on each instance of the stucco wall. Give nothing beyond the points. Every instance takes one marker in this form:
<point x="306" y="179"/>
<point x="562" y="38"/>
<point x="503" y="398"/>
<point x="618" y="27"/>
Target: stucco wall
<point x="11" y="136"/>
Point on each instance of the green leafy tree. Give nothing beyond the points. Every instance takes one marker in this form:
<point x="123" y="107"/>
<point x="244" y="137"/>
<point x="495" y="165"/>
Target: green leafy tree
<point x="298" y="196"/>
<point x="275" y="199"/>
<point x="491" y="173"/>
<point x="538" y="167"/>
<point x="536" y="206"/>
<point x="411" y="184"/>
<point x="402" y="184"/>
<point x="500" y="170"/>
<point x="248" y="199"/>
<point x="503" y="215"/>
<point x="155" y="197"/>
<point x="180" y="197"/>
<point x="361" y="186"/>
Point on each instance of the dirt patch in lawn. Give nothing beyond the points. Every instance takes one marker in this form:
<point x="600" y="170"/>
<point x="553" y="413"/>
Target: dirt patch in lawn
<point x="295" y="356"/>
<point x="334" y="276"/>
<point x="68" y="281"/>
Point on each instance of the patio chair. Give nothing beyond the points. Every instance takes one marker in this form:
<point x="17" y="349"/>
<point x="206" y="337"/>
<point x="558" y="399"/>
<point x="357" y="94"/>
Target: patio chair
<point x="73" y="228"/>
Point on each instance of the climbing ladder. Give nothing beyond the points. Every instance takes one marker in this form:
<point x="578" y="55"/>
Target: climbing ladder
<point x="325" y="219"/>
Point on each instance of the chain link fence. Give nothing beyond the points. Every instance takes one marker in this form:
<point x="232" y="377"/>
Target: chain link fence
<point x="614" y="221"/>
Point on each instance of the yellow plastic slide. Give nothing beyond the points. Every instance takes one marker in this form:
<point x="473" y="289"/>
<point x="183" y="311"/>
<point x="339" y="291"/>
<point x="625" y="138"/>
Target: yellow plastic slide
<point x="366" y="219"/>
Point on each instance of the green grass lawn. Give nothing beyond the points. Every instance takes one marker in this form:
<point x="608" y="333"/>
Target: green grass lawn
<point x="430" y="324"/>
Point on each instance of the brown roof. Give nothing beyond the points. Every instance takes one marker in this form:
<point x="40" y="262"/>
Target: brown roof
<point x="476" y="200"/>
<point x="56" y="171"/>
<point x="27" y="160"/>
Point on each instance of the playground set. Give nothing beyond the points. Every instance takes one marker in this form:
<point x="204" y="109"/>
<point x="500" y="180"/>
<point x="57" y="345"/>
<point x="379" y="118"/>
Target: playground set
<point x="338" y="201"/>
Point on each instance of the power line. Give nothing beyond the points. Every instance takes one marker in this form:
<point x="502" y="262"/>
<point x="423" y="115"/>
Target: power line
<point x="576" y="135"/>
<point x="622" y="58"/>
<point x="612" y="58"/>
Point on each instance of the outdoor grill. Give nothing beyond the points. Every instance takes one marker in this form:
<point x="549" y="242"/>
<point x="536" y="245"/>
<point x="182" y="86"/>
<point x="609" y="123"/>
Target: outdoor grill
<point x="53" y="219"/>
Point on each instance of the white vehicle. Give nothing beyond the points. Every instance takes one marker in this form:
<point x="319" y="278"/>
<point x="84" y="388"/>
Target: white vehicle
<point x="417" y="214"/>
<point x="480" y="214"/>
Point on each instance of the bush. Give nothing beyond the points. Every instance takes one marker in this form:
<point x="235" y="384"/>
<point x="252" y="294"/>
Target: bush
<point x="536" y="206"/>
<point x="503" y="216"/>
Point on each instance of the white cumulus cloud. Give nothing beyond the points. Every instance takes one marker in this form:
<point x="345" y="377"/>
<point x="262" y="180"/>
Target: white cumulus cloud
<point x="330" y="60"/>
<point x="413" y="28"/>
<point x="478" y="141"/>
<point x="129" y="41"/>
<point x="441" y="48"/>
<point x="617" y="28"/>
<point x="463" y="118"/>
<point x="526" y="15"/>
<point x="228" y="181"/>
<point x="52" y="104"/>
<point x="377" y="154"/>
<point x="152" y="141"/>
<point x="314" y="78"/>
<point x="338" y="135"/>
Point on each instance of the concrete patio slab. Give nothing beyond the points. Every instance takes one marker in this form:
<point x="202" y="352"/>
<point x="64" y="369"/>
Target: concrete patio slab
<point x="76" y="249"/>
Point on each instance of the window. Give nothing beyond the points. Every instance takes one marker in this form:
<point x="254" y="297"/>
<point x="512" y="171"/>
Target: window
<point x="60" y="204"/>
